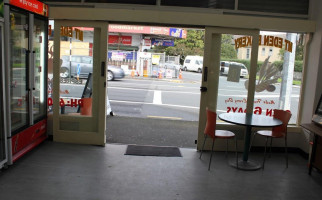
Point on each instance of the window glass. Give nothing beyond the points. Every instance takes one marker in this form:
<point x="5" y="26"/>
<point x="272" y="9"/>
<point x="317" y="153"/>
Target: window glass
<point x="233" y="80"/>
<point x="187" y="61"/>
<point x="248" y="54"/>
<point x="279" y="75"/>
<point x="39" y="45"/>
<point x="87" y="60"/>
<point x="76" y="70"/>
<point x="220" y="4"/>
<point x="19" y="84"/>
<point x="263" y="51"/>
<point x="270" y="53"/>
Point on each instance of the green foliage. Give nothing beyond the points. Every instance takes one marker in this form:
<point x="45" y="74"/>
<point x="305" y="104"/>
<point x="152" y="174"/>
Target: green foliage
<point x="192" y="45"/>
<point x="227" y="49"/>
<point x="299" y="52"/>
<point x="298" y="65"/>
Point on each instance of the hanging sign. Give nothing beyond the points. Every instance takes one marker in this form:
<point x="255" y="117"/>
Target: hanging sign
<point x="32" y="6"/>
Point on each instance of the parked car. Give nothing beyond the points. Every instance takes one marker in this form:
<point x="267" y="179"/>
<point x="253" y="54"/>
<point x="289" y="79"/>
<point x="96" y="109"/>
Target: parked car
<point x="172" y="65"/>
<point x="193" y="63"/>
<point x="225" y="65"/>
<point x="84" y="65"/>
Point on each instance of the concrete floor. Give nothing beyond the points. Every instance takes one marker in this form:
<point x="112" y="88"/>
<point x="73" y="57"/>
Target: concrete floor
<point x="68" y="171"/>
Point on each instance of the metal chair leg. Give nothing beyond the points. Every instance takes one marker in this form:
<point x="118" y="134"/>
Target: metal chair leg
<point x="212" y="150"/>
<point x="251" y="142"/>
<point x="236" y="152"/>
<point x="286" y="152"/>
<point x="270" y="148"/>
<point x="265" y="152"/>
<point x="204" y="141"/>
<point x="226" y="147"/>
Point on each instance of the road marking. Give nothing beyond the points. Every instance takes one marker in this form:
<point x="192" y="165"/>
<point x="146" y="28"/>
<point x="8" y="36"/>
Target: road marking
<point x="157" y="99"/>
<point x="163" y="117"/>
<point x="169" y="105"/>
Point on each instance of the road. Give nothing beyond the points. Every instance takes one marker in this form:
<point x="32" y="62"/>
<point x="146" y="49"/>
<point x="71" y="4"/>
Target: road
<point x="180" y="100"/>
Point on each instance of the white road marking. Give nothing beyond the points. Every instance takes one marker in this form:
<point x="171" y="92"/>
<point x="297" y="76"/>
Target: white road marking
<point x="157" y="99"/>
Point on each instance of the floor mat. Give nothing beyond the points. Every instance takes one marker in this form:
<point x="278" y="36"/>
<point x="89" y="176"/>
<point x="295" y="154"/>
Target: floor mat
<point x="138" y="150"/>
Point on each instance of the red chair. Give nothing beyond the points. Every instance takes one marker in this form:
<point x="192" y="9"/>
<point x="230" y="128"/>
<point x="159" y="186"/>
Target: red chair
<point x="277" y="132"/>
<point x="211" y="131"/>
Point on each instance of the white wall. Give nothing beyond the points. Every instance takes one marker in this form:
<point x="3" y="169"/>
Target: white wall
<point x="313" y="74"/>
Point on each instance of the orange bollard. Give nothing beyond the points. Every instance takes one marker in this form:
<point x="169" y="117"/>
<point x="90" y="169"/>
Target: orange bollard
<point x="86" y="109"/>
<point x="132" y="73"/>
<point x="180" y="74"/>
<point x="160" y="74"/>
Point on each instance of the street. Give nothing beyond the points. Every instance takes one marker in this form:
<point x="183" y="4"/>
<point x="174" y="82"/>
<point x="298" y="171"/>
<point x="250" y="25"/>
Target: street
<point x="180" y="99"/>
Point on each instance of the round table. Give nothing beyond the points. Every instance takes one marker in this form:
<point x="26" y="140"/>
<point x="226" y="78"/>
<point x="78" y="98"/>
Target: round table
<point x="249" y="120"/>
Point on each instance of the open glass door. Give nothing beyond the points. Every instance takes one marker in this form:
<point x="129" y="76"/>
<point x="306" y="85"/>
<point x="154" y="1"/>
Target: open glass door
<point x="39" y="59"/>
<point x="227" y="83"/>
<point x="79" y="82"/>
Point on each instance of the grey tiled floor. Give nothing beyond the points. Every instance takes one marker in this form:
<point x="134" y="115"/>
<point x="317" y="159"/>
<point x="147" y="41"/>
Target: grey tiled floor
<point x="67" y="171"/>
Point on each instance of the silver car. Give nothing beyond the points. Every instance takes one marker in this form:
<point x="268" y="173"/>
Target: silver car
<point x="81" y="66"/>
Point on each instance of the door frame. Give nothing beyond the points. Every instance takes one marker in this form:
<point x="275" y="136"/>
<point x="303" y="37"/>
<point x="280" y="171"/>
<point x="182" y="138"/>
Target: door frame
<point x="97" y="136"/>
<point x="3" y="131"/>
<point x="210" y="73"/>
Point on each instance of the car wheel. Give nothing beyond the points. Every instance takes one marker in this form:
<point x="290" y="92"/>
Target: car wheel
<point x="64" y="72"/>
<point x="185" y="69"/>
<point x="199" y="70"/>
<point x="110" y="76"/>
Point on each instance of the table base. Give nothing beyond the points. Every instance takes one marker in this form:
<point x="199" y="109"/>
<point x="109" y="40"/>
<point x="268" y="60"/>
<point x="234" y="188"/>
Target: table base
<point x="249" y="165"/>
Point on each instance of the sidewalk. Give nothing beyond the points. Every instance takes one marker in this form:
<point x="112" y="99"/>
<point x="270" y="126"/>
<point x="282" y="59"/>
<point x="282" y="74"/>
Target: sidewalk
<point x="146" y="131"/>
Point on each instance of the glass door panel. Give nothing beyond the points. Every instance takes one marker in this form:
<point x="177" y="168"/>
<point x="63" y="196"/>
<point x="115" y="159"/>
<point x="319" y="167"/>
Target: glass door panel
<point x="76" y="71"/>
<point x="79" y="105"/>
<point x="18" y="70"/>
<point x="280" y="61"/>
<point x="234" y="73"/>
<point x="39" y="58"/>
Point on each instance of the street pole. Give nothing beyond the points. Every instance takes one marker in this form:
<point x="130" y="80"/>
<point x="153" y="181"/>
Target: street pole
<point x="287" y="74"/>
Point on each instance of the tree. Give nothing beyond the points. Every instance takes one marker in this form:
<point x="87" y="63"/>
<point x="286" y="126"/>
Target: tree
<point x="227" y="48"/>
<point x="192" y="45"/>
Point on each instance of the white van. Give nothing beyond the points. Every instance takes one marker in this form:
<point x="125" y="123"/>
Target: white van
<point x="193" y="63"/>
<point x="225" y="65"/>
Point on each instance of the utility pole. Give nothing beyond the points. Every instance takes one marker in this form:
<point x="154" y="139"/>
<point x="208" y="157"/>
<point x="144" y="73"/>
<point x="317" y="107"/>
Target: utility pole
<point x="287" y="74"/>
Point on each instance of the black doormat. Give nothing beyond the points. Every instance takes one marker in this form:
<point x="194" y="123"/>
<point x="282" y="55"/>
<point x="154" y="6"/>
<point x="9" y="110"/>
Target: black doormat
<point x="137" y="150"/>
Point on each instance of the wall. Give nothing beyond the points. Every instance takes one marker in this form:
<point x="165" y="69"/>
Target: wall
<point x="313" y="72"/>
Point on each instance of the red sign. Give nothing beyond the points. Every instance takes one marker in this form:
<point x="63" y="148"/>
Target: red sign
<point x="115" y="39"/>
<point x="147" y="42"/>
<point x="31" y="5"/>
